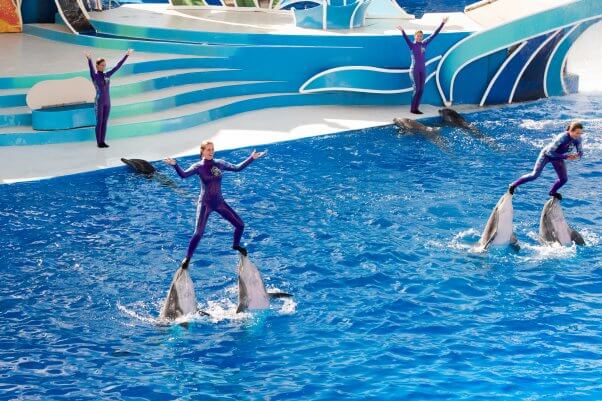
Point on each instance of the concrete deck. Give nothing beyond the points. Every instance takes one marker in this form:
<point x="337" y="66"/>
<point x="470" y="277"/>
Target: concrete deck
<point x="25" y="163"/>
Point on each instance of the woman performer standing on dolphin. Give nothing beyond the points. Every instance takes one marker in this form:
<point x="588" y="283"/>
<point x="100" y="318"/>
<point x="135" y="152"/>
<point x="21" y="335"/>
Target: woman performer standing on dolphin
<point x="418" y="67"/>
<point x="101" y="81"/>
<point x="210" y="171"/>
<point x="556" y="153"/>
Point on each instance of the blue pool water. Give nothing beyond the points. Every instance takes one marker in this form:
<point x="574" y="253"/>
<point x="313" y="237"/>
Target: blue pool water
<point x="369" y="230"/>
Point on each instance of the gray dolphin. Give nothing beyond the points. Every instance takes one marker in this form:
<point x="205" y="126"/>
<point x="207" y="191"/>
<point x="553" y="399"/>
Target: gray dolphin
<point x="181" y="299"/>
<point x="147" y="169"/>
<point x="452" y="117"/>
<point x="252" y="294"/>
<point x="553" y="227"/>
<point x="409" y="126"/>
<point x="140" y="166"/>
<point x="499" y="230"/>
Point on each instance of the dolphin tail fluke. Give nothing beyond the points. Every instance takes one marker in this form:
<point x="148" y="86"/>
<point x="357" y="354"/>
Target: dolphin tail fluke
<point x="577" y="238"/>
<point x="279" y="295"/>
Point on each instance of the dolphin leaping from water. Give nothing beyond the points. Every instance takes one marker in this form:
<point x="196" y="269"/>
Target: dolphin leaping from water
<point x="499" y="229"/>
<point x="252" y="294"/>
<point x="553" y="227"/>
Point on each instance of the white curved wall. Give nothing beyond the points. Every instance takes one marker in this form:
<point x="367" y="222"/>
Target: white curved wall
<point x="585" y="59"/>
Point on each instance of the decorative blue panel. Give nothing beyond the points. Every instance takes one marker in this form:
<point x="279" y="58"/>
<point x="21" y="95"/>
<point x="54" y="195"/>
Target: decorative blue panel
<point x="62" y="118"/>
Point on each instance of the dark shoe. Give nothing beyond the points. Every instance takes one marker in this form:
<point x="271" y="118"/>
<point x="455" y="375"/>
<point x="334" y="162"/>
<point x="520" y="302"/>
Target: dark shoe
<point x="511" y="189"/>
<point x="419" y="112"/>
<point x="185" y="263"/>
<point x="103" y="145"/>
<point x="415" y="112"/>
<point x="240" y="249"/>
<point x="557" y="196"/>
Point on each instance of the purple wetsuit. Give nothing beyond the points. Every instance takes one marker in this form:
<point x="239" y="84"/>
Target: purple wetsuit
<point x="211" y="198"/>
<point x="101" y="81"/>
<point x="555" y="153"/>
<point x="418" y="67"/>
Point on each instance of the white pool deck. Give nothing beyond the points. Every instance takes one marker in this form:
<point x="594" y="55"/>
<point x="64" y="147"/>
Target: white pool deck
<point x="251" y="129"/>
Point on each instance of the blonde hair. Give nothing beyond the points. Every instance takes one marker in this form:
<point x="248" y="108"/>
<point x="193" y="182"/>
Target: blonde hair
<point x="204" y="144"/>
<point x="574" y="125"/>
<point x="418" y="32"/>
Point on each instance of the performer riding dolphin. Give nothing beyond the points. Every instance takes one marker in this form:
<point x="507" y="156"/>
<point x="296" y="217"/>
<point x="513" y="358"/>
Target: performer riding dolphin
<point x="556" y="153"/>
<point x="210" y="171"/>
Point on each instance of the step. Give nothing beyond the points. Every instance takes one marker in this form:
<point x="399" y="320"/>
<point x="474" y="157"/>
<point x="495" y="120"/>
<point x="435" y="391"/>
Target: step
<point x="171" y="112"/>
<point x="173" y="91"/>
<point x="122" y="83"/>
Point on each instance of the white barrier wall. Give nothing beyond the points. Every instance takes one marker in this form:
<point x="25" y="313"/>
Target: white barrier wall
<point x="585" y="59"/>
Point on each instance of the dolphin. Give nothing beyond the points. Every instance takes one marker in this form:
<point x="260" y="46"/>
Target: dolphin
<point x="452" y="117"/>
<point x="140" y="166"/>
<point x="499" y="230"/>
<point x="554" y="228"/>
<point x="252" y="294"/>
<point x="147" y="169"/>
<point x="409" y="126"/>
<point x="181" y="299"/>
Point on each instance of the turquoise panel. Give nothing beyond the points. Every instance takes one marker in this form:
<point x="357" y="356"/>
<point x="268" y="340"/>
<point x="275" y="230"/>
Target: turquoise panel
<point x="476" y="76"/>
<point x="62" y="118"/>
<point x="11" y="120"/>
<point x="365" y="79"/>
<point x="309" y="17"/>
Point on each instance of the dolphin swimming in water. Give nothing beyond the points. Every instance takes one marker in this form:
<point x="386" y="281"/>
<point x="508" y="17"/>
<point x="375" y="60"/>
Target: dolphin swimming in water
<point x="181" y="299"/>
<point x="452" y="117"/>
<point x="406" y="125"/>
<point x="553" y="227"/>
<point x="147" y="169"/>
<point x="140" y="166"/>
<point x="252" y="294"/>
<point x="499" y="229"/>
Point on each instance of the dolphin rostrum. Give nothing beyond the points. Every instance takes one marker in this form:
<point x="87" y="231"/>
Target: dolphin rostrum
<point x="499" y="229"/>
<point x="553" y="227"/>
<point x="181" y="299"/>
<point x="251" y="290"/>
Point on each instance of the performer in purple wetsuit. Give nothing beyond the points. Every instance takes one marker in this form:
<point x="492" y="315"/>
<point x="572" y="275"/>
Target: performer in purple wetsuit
<point x="418" y="67"/>
<point x="101" y="81"/>
<point x="556" y="153"/>
<point x="210" y="171"/>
